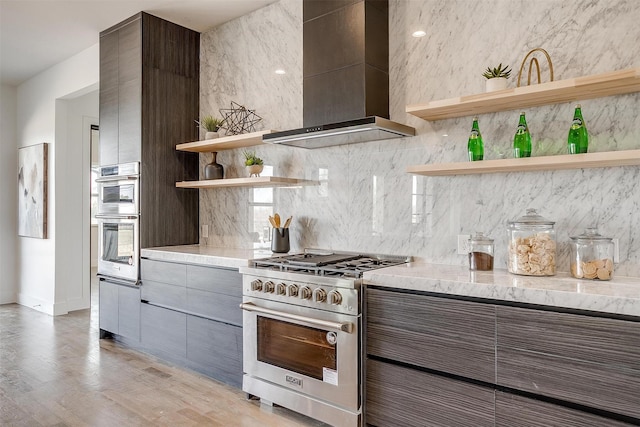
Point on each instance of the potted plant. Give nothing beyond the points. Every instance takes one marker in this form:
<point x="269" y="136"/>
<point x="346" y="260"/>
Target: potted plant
<point x="497" y="77"/>
<point x="253" y="163"/>
<point x="211" y="125"/>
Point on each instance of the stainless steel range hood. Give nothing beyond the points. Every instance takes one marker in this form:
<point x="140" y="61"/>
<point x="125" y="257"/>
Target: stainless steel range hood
<point x="349" y="132"/>
<point x="345" y="76"/>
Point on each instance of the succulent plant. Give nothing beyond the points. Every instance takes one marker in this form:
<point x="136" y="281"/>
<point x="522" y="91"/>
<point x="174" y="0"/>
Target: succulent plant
<point x="251" y="159"/>
<point x="210" y="123"/>
<point x="499" y="71"/>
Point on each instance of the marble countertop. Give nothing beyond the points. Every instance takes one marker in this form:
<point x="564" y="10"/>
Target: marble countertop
<point x="206" y="255"/>
<point x="620" y="295"/>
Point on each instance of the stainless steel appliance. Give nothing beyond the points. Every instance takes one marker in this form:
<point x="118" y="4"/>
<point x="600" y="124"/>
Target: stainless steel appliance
<point x="119" y="221"/>
<point x="301" y="336"/>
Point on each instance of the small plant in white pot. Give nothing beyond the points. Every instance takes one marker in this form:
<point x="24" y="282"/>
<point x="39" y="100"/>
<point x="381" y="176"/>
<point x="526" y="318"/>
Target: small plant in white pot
<point x="497" y="77"/>
<point x="253" y="163"/>
<point x="211" y="125"/>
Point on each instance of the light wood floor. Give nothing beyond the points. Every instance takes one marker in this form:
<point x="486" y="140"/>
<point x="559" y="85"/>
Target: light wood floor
<point x="54" y="371"/>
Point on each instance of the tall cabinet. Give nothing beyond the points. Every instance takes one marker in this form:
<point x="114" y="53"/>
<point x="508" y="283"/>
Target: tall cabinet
<point x="149" y="99"/>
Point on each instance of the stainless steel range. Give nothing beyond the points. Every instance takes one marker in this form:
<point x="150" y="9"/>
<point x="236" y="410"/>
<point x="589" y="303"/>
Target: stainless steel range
<point x="302" y="340"/>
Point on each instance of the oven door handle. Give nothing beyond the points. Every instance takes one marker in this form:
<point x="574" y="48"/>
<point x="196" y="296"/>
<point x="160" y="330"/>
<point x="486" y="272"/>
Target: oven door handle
<point x="117" y="178"/>
<point x="115" y="216"/>
<point x="324" y="324"/>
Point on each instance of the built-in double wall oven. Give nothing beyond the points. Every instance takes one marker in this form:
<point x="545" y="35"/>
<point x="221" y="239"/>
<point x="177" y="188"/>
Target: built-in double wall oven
<point x="119" y="221"/>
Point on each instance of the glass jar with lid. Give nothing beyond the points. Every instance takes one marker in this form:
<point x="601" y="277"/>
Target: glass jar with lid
<point x="532" y="245"/>
<point x="480" y="252"/>
<point x="592" y="256"/>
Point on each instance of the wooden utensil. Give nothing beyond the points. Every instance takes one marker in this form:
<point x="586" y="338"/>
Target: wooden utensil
<point x="272" y="221"/>
<point x="287" y="222"/>
<point x="276" y="218"/>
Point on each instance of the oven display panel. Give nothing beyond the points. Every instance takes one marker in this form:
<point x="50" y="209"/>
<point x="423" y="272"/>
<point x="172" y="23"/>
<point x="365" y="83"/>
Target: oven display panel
<point x="302" y="349"/>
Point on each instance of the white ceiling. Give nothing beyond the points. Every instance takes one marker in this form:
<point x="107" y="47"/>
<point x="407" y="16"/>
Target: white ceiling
<point x="37" y="34"/>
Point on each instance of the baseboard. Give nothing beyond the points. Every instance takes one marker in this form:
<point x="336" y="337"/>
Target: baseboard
<point x="35" y="303"/>
<point x="8" y="298"/>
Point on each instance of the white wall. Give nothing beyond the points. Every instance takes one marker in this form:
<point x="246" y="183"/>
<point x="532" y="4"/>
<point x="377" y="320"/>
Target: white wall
<point x="8" y="195"/>
<point x="38" y="102"/>
<point x="74" y="118"/>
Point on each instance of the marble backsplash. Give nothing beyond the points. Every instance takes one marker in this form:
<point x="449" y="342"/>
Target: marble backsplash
<point x="366" y="201"/>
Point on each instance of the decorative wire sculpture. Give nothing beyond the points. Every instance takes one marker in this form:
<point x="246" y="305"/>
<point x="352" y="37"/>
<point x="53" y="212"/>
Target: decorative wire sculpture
<point x="238" y="119"/>
<point x="534" y="61"/>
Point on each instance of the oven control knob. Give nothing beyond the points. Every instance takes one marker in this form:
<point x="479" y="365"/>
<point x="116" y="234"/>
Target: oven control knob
<point x="256" y="285"/>
<point x="269" y="287"/>
<point x="292" y="290"/>
<point x="305" y="292"/>
<point x="281" y="289"/>
<point x="319" y="295"/>
<point x="335" y="298"/>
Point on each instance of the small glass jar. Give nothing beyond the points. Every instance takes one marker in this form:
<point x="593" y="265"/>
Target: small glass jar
<point x="592" y="256"/>
<point x="532" y="245"/>
<point x="480" y="253"/>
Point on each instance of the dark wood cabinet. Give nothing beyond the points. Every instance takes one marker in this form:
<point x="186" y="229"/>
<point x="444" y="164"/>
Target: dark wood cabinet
<point x="400" y="396"/>
<point x="583" y="359"/>
<point x="518" y="411"/>
<point x="456" y="337"/>
<point x="439" y="361"/>
<point x="149" y="100"/>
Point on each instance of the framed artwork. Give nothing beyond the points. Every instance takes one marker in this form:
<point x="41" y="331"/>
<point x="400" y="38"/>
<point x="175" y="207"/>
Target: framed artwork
<point x="32" y="191"/>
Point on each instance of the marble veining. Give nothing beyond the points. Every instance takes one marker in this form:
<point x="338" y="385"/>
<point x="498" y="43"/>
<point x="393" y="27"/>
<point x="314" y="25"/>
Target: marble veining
<point x="618" y="296"/>
<point x="205" y="255"/>
<point x="366" y="201"/>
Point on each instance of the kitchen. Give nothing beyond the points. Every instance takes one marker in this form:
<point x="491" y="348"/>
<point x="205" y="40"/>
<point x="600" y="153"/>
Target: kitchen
<point x="362" y="206"/>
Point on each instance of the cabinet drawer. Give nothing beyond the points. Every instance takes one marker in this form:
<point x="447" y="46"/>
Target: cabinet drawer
<point x="216" y="306"/>
<point x="164" y="272"/>
<point x="217" y="348"/>
<point x="452" y="336"/>
<point x="588" y="360"/>
<point x="164" y="294"/>
<point x="518" y="411"/>
<point x="398" y="396"/>
<point x="164" y="330"/>
<point x="217" y="280"/>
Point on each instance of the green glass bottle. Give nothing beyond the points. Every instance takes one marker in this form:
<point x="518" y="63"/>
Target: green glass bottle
<point x="522" y="139"/>
<point x="475" y="145"/>
<point x="578" y="139"/>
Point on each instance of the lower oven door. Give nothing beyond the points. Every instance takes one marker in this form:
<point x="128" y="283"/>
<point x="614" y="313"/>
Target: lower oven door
<point x="119" y="247"/>
<point x="308" y="351"/>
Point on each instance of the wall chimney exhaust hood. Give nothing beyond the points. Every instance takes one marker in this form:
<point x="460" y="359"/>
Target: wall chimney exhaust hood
<point x="345" y="76"/>
<point x="371" y="128"/>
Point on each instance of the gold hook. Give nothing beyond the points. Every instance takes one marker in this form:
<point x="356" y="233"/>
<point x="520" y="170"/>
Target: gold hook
<point x="534" y="60"/>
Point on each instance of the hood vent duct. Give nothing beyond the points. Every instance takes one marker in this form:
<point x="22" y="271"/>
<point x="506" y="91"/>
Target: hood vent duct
<point x="346" y="75"/>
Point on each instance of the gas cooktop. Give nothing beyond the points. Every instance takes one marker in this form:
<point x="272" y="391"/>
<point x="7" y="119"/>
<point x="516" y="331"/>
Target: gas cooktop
<point x="327" y="263"/>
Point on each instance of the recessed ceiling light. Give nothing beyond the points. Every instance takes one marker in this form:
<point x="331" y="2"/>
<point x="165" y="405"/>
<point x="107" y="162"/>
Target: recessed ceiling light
<point x="419" y="33"/>
<point x="445" y="135"/>
<point x="280" y="71"/>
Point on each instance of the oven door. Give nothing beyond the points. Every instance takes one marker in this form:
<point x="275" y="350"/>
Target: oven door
<point x="119" y="246"/>
<point x="305" y="350"/>
<point x="118" y="195"/>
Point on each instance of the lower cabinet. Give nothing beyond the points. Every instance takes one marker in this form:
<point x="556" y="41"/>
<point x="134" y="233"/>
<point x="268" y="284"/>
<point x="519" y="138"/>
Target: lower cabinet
<point x="522" y="367"/>
<point x="191" y="316"/>
<point x="518" y="411"/>
<point x="400" y="396"/>
<point x="119" y="309"/>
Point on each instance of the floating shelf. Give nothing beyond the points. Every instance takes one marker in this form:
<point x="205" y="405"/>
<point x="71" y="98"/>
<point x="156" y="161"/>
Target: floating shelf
<point x="596" y="86"/>
<point x="261" y="181"/>
<point x="224" y="143"/>
<point x="565" y="161"/>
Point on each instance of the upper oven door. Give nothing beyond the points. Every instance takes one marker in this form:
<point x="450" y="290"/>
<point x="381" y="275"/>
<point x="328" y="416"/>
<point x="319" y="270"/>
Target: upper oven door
<point x="119" y="190"/>
<point x="310" y="351"/>
<point x="118" y="247"/>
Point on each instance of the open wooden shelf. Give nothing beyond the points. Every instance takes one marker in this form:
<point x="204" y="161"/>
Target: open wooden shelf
<point x="261" y="181"/>
<point x="596" y="86"/>
<point x="565" y="161"/>
<point x="224" y="143"/>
